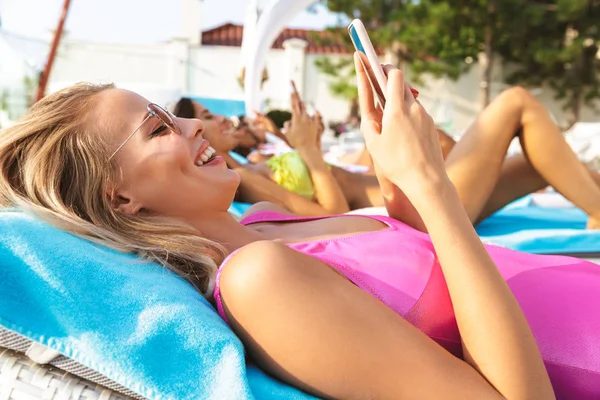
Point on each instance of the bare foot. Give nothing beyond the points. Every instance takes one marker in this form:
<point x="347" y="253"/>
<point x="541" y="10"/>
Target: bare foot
<point x="593" y="223"/>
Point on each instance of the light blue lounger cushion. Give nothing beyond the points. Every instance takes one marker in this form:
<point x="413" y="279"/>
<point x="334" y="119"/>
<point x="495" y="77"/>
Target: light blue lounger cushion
<point x="544" y="230"/>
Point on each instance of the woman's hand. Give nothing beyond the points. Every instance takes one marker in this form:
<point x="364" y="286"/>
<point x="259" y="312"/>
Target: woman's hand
<point x="303" y="132"/>
<point x="497" y="341"/>
<point x="402" y="139"/>
<point x="264" y="122"/>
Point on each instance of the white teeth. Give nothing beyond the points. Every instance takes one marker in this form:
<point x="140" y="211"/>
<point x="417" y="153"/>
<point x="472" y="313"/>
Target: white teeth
<point x="204" y="157"/>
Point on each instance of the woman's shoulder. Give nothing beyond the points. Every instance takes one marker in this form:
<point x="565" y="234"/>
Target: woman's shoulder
<point x="257" y="260"/>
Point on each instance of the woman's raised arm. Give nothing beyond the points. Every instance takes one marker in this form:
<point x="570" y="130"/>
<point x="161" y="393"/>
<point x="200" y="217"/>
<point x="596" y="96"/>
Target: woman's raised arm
<point x="255" y="188"/>
<point x="304" y="135"/>
<point x="497" y="340"/>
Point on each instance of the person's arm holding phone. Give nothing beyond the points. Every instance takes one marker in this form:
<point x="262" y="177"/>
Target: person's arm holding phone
<point x="497" y="341"/>
<point x="397" y="204"/>
<point x="304" y="135"/>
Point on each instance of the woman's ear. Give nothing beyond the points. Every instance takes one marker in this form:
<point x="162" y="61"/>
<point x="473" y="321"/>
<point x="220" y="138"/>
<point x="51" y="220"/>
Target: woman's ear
<point x="123" y="203"/>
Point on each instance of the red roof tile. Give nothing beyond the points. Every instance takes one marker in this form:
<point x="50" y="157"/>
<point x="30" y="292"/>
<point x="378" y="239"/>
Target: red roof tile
<point x="231" y="35"/>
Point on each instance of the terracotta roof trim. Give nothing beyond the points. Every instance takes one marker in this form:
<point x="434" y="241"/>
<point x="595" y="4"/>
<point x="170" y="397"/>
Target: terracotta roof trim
<point x="230" y="34"/>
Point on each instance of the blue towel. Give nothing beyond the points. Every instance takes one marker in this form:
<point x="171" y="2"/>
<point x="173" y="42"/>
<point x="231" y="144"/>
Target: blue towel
<point x="543" y="230"/>
<point x="134" y="322"/>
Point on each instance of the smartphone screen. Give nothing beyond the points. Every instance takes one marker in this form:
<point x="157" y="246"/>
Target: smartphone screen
<point x="366" y="64"/>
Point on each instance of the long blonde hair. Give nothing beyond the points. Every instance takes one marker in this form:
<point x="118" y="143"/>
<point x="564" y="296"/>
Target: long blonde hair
<point x="55" y="165"/>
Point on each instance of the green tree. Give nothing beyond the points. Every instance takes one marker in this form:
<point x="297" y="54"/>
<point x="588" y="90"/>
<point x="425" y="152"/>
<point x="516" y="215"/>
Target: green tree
<point x="444" y="38"/>
<point x="377" y="17"/>
<point x="560" y="49"/>
<point x="342" y="74"/>
<point x="433" y="36"/>
<point x="447" y="37"/>
<point x="380" y="17"/>
<point x="550" y="42"/>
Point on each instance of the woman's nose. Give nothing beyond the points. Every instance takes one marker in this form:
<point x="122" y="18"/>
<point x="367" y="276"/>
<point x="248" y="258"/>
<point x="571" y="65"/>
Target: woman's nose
<point x="191" y="127"/>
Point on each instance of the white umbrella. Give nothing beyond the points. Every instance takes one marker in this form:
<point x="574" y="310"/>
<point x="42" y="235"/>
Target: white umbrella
<point x="270" y="24"/>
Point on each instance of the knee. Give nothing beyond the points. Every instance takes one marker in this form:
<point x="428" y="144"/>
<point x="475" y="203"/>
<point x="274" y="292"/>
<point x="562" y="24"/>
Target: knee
<point x="518" y="95"/>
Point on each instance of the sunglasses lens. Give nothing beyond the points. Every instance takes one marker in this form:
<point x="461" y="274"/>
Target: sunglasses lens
<point x="165" y="116"/>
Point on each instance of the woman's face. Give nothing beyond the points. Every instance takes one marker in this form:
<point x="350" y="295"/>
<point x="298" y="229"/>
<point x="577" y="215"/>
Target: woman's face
<point x="218" y="130"/>
<point x="258" y="131"/>
<point x="159" y="169"/>
<point x="245" y="137"/>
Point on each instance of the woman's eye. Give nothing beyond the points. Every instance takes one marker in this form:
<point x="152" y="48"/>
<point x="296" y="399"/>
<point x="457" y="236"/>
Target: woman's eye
<point x="158" y="131"/>
<point x="208" y="116"/>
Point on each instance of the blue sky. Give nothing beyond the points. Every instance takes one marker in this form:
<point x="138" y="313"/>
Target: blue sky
<point x="131" y="21"/>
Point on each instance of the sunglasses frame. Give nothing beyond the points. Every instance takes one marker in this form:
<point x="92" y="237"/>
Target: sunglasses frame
<point x="154" y="110"/>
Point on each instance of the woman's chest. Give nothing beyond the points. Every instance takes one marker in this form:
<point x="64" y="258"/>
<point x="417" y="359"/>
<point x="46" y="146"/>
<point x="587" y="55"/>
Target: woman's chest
<point x="318" y="230"/>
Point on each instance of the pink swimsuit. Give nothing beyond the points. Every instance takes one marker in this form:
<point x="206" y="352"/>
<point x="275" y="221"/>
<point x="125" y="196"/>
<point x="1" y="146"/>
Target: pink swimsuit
<point x="560" y="296"/>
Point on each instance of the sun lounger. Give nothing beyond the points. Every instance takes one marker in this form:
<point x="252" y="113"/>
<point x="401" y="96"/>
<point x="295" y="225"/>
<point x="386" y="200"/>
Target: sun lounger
<point x="133" y="325"/>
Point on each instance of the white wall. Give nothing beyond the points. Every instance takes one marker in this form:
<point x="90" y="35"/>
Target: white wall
<point x="317" y="90"/>
<point x="13" y="72"/>
<point x="163" y="72"/>
<point x="147" y="69"/>
<point x="12" y="67"/>
<point x="452" y="104"/>
<point x="214" y="72"/>
<point x="464" y="95"/>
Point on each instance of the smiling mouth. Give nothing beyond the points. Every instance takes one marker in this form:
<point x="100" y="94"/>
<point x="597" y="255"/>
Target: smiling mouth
<point x="207" y="156"/>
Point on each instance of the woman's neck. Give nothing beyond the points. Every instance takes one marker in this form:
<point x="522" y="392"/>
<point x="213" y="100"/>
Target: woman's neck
<point x="230" y="161"/>
<point x="224" y="229"/>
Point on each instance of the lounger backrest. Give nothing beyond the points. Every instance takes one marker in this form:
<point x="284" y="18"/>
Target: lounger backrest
<point x="19" y="346"/>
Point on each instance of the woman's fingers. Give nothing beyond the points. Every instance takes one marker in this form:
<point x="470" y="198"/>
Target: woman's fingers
<point x="395" y="81"/>
<point x="398" y="90"/>
<point x="300" y="104"/>
<point x="295" y="100"/>
<point x="365" y="92"/>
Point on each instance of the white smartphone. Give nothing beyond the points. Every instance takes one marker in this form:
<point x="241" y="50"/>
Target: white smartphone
<point x="369" y="59"/>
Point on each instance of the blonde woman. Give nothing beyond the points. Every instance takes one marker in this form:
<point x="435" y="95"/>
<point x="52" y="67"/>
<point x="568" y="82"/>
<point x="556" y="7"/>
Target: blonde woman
<point x="348" y="307"/>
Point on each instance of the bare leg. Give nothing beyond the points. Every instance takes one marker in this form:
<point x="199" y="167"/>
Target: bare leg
<point x="361" y="190"/>
<point x="517" y="179"/>
<point x="366" y="160"/>
<point x="476" y="163"/>
<point x="446" y="142"/>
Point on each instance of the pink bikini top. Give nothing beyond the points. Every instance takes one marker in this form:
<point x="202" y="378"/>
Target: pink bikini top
<point x="560" y="296"/>
<point x="397" y="265"/>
